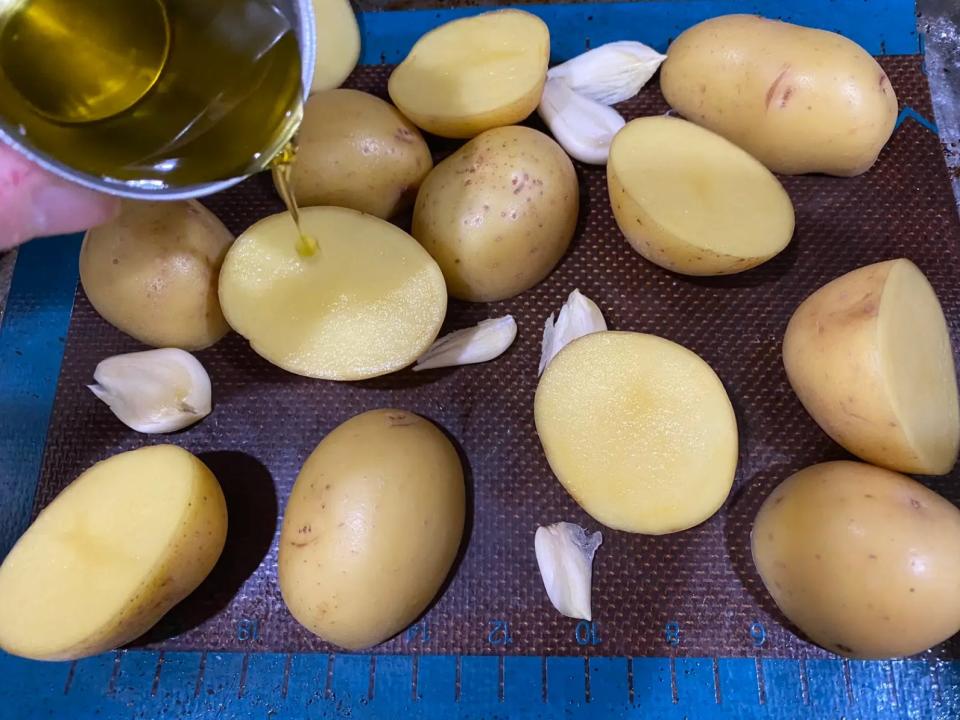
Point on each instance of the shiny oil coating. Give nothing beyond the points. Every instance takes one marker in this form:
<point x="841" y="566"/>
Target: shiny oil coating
<point x="639" y="430"/>
<point x="865" y="561"/>
<point x="369" y="302"/>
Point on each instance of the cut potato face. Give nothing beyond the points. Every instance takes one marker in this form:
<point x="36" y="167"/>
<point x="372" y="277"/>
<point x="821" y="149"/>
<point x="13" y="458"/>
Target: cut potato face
<point x="693" y="202"/>
<point x="869" y="356"/>
<point x="338" y="43"/>
<point x="865" y="561"/>
<point x="369" y="302"/>
<point x="121" y="545"/>
<point x="474" y="74"/>
<point x="372" y="528"/>
<point x="639" y="430"/>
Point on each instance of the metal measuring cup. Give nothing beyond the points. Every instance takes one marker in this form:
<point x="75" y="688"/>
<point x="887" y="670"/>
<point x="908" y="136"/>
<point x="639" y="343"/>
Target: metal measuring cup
<point x="25" y="102"/>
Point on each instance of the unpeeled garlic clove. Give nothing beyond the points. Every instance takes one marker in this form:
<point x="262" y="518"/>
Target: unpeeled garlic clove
<point x="482" y="342"/>
<point x="565" y="557"/>
<point x="579" y="316"/>
<point x="157" y="391"/>
<point x="610" y="73"/>
<point x="583" y="127"/>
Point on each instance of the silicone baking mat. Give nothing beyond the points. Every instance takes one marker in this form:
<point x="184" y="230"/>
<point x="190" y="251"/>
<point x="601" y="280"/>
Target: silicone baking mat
<point x="692" y="593"/>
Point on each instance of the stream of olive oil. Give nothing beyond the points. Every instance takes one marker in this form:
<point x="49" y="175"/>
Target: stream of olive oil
<point x="282" y="166"/>
<point x="151" y="93"/>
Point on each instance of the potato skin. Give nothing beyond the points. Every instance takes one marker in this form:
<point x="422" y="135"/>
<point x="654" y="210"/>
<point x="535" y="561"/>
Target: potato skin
<point x="498" y="214"/>
<point x="865" y="561"/>
<point x="833" y="354"/>
<point x="357" y="151"/>
<point x="372" y="528"/>
<point x="153" y="273"/>
<point x="800" y="100"/>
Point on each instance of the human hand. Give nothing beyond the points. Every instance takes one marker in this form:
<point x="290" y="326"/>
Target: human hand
<point x="33" y="202"/>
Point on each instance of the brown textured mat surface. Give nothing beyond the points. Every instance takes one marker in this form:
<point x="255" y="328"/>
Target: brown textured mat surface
<point x="266" y="421"/>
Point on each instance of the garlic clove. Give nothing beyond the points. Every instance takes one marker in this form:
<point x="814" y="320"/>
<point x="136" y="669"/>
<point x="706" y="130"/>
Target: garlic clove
<point x="584" y="127"/>
<point x="579" y="316"/>
<point x="565" y="557"/>
<point x="610" y="73"/>
<point x="157" y="391"/>
<point x="480" y="343"/>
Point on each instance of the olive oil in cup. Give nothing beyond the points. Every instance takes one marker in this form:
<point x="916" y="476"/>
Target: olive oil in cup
<point x="153" y="98"/>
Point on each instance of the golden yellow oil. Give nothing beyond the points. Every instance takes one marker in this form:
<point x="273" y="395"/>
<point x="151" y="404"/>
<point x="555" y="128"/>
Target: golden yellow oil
<point x="152" y="93"/>
<point x="282" y="165"/>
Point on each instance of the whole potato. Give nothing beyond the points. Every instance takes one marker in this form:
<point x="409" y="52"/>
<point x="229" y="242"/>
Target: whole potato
<point x="111" y="554"/>
<point x="800" y="100"/>
<point x="153" y="272"/>
<point x="357" y="151"/>
<point x="870" y="358"/>
<point x="372" y="527"/>
<point x="865" y="561"/>
<point x="498" y="214"/>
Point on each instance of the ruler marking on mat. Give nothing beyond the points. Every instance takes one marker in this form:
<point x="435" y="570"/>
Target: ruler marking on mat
<point x="70" y="673"/>
<point x="244" y="669"/>
<point x="372" y="679"/>
<point x="458" y="679"/>
<point x="935" y="681"/>
<point x="717" y="697"/>
<point x="891" y="676"/>
<point x="543" y="678"/>
<point x="500" y="679"/>
<point x="674" y="690"/>
<point x="285" y="683"/>
<point x="630" y="691"/>
<point x="804" y="682"/>
<point x="156" y="675"/>
<point x="586" y="679"/>
<point x="415" y="678"/>
<point x="114" y="673"/>
<point x="201" y="670"/>
<point x="328" y="685"/>
<point x="848" y="681"/>
<point x="761" y="681"/>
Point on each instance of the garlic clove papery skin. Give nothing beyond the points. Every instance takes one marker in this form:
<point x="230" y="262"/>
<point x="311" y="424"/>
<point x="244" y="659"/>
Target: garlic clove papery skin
<point x="482" y="342"/>
<point x="583" y="127"/>
<point x="610" y="73"/>
<point x="154" y="392"/>
<point x="565" y="557"/>
<point x="579" y="316"/>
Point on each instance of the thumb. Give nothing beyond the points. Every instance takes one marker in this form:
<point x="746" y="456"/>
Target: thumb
<point x="33" y="202"/>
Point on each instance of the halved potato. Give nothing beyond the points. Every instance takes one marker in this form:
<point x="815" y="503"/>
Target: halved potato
<point x="338" y="43"/>
<point x="121" y="545"/>
<point x="693" y="202"/>
<point x="474" y="74"/>
<point x="369" y="302"/>
<point x="870" y="358"/>
<point x="639" y="430"/>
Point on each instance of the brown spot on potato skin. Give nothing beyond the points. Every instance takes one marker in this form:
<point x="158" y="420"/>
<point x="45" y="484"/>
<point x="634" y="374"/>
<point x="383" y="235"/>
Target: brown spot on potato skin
<point x="772" y="90"/>
<point x="400" y="420"/>
<point x="843" y="648"/>
<point x="404" y="135"/>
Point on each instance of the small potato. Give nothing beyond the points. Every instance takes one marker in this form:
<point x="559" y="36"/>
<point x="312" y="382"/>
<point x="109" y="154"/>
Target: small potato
<point x="153" y="271"/>
<point x="692" y="202"/>
<point x="357" y="151"/>
<point x="870" y="358"/>
<point x="866" y="562"/>
<point x="498" y="214"/>
<point x="372" y="528"/>
<point x="639" y="430"/>
<point x="800" y="100"/>
<point x="121" y="545"/>
<point x="338" y="43"/>
<point x="371" y="301"/>
<point x="474" y="74"/>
